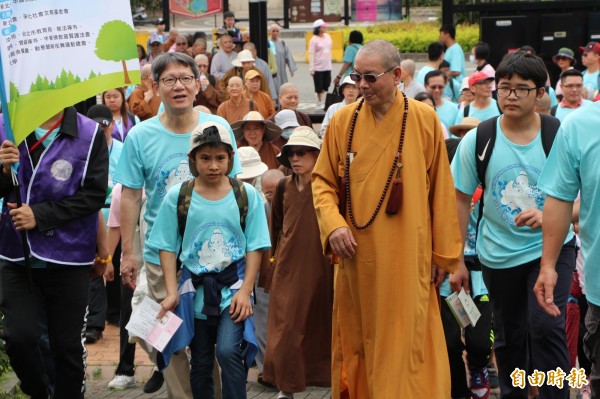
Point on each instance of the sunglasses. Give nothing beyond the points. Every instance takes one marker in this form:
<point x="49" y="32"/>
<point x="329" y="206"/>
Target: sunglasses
<point x="561" y="58"/>
<point x="300" y="153"/>
<point x="368" y="77"/>
<point x="437" y="87"/>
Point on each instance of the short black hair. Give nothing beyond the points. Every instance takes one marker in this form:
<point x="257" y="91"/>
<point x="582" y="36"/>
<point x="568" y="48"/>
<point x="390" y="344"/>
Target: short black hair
<point x="570" y="72"/>
<point x="449" y="29"/>
<point x="422" y="96"/>
<point x="482" y="51"/>
<point x="527" y="66"/>
<point x="228" y="14"/>
<point x="433" y="74"/>
<point x="356" y="37"/>
<point x="316" y="31"/>
<point x="528" y="48"/>
<point x="435" y="51"/>
<point x="444" y="64"/>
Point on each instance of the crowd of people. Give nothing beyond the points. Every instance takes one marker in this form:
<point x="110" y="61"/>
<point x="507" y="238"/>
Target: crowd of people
<point x="205" y="189"/>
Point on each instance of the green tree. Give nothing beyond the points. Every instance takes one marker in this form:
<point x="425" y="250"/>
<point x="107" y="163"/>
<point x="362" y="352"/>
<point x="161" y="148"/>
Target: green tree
<point x="14" y="91"/>
<point x="116" y="42"/>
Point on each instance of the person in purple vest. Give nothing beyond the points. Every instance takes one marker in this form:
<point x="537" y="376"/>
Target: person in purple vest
<point x="63" y="175"/>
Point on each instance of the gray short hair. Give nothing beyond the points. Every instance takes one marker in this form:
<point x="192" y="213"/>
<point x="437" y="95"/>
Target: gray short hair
<point x="386" y="51"/>
<point x="164" y="60"/>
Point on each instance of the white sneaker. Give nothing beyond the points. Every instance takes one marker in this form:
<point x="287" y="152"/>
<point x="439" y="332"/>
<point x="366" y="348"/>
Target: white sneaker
<point x="121" y="382"/>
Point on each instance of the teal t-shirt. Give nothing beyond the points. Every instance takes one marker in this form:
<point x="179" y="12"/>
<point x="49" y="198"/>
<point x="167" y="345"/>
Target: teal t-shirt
<point x="511" y="187"/>
<point x="572" y="166"/>
<point x="456" y="58"/>
<point x="452" y="95"/>
<point x="562" y="112"/>
<point x="447" y="113"/>
<point x="114" y="154"/>
<point x="156" y="159"/>
<point x="590" y="80"/>
<point x="213" y="238"/>
<point x="349" y="56"/>
<point x="422" y="72"/>
<point x="481" y="114"/>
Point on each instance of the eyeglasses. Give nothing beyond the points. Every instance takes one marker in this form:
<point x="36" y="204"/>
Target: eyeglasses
<point x="300" y="153"/>
<point x="274" y="30"/>
<point x="202" y="65"/>
<point x="368" y="77"/>
<point x="561" y="58"/>
<point x="573" y="86"/>
<point x="520" y="92"/>
<point x="437" y="87"/>
<point x="484" y="83"/>
<point x="171" y="80"/>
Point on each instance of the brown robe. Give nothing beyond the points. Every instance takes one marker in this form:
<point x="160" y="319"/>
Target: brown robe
<point x="298" y="352"/>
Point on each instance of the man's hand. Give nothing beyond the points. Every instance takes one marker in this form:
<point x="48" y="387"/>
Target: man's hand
<point x="9" y="154"/>
<point x="342" y="242"/>
<point x="22" y="217"/>
<point x="169" y="303"/>
<point x="437" y="275"/>
<point x="544" y="291"/>
<point x="241" y="306"/>
<point x="129" y="271"/>
<point x="460" y="279"/>
<point x="109" y="272"/>
<point x="336" y="80"/>
<point x="530" y="217"/>
<point x="97" y="269"/>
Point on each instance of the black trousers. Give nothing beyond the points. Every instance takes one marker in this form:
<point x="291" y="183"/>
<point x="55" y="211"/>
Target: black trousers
<point x="478" y="343"/>
<point x="126" y="350"/>
<point x="97" y="304"/>
<point x="63" y="291"/>
<point x="526" y="337"/>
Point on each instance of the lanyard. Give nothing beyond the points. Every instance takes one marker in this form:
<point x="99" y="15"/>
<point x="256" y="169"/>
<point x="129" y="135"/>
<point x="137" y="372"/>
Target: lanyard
<point x="37" y="143"/>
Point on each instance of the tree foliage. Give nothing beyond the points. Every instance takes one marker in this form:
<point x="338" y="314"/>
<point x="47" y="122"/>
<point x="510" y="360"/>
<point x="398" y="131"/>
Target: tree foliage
<point x="116" y="42"/>
<point x="65" y="79"/>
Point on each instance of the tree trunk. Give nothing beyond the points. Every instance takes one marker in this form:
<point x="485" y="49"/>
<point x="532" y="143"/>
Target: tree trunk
<point x="125" y="73"/>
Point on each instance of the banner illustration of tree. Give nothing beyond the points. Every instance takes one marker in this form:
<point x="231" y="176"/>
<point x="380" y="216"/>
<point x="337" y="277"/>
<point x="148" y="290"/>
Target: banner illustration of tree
<point x="55" y="53"/>
<point x="195" y="8"/>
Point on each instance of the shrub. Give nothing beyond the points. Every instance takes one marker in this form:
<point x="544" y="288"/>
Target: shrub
<point x="412" y="37"/>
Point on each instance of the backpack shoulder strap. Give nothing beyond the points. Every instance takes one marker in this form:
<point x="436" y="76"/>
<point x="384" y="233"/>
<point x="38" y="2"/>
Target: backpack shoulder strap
<point x="550" y="126"/>
<point x="553" y="110"/>
<point x="484" y="145"/>
<point x="183" y="204"/>
<point x="241" y="198"/>
<point x="466" y="110"/>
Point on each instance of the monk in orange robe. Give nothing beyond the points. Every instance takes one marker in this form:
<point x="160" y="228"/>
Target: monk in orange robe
<point x="388" y="340"/>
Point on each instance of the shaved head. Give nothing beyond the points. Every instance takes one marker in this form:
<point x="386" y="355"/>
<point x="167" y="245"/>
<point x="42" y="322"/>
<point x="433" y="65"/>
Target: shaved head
<point x="408" y="66"/>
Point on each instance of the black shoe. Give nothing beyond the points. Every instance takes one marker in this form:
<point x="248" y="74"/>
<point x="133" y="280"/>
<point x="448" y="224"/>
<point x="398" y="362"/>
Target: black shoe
<point x="155" y="382"/>
<point x="92" y="335"/>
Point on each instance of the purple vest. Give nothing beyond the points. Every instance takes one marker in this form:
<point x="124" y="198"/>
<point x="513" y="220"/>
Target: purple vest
<point x="116" y="133"/>
<point x="59" y="174"/>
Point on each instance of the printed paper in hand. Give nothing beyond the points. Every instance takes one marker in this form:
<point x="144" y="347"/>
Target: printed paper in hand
<point x="144" y="324"/>
<point x="463" y="308"/>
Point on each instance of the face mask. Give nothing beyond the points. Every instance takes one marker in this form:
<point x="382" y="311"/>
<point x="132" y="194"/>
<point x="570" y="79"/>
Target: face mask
<point x="472" y="58"/>
<point x="287" y="132"/>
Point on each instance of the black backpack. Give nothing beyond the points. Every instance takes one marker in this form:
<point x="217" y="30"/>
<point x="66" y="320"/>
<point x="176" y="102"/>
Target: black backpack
<point x="185" y="198"/>
<point x="486" y="135"/>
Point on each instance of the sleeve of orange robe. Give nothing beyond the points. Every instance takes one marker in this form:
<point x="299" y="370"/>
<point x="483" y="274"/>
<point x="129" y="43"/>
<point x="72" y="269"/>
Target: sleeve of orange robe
<point x="325" y="184"/>
<point x="445" y="232"/>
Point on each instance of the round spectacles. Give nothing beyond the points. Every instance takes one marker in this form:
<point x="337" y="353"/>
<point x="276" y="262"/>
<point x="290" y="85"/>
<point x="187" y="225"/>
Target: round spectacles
<point x="171" y="80"/>
<point x="520" y="92"/>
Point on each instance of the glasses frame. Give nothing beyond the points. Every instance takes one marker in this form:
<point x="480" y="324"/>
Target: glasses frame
<point x="368" y="77"/>
<point x="300" y="153"/>
<point x="192" y="77"/>
<point x="511" y="91"/>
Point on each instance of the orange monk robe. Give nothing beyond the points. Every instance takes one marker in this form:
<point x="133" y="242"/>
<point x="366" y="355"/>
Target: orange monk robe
<point x="388" y="339"/>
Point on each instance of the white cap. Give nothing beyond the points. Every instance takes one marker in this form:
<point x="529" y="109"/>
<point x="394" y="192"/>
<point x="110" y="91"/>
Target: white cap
<point x="252" y="166"/>
<point x="243" y="56"/>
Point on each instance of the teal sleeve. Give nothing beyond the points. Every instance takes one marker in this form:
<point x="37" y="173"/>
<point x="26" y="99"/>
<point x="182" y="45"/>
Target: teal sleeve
<point x="165" y="232"/>
<point x="560" y="177"/>
<point x="463" y="167"/>
<point x="130" y="169"/>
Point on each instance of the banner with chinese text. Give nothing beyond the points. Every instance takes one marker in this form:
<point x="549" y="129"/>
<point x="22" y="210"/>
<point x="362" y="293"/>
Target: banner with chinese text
<point x="55" y="53"/>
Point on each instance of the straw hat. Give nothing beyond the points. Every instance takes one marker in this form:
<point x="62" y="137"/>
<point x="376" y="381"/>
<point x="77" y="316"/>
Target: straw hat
<point x="252" y="166"/>
<point x="302" y="136"/>
<point x="272" y="131"/>
<point x="466" y="123"/>
<point x="243" y="56"/>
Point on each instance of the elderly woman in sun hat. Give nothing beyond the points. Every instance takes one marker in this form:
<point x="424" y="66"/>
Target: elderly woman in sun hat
<point x="242" y="64"/>
<point x="350" y="92"/>
<point x="298" y="352"/>
<point x="565" y="59"/>
<point x="255" y="131"/>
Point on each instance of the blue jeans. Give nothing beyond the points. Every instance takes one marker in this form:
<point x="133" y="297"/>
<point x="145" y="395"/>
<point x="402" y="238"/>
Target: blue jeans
<point x="227" y="336"/>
